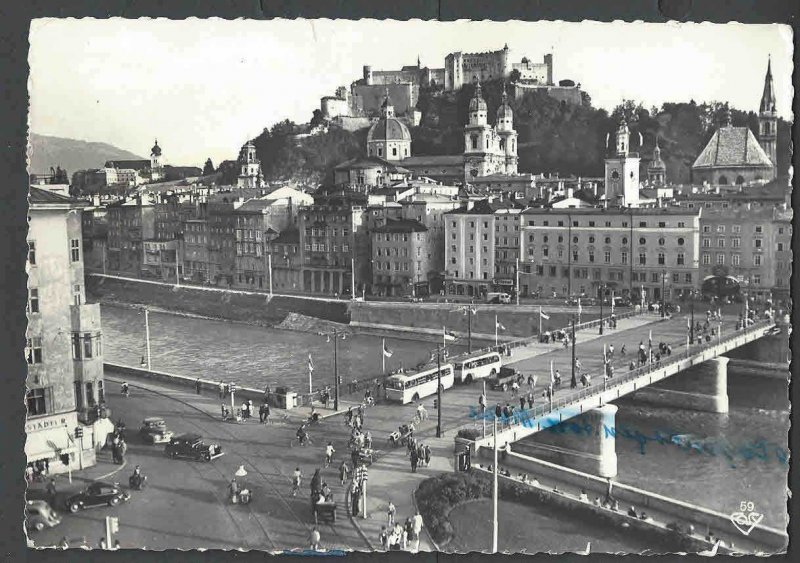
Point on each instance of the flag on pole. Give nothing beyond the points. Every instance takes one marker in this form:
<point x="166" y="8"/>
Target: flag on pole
<point x="310" y="364"/>
<point x="386" y="352"/>
<point x="580" y="309"/>
<point x="552" y="377"/>
<point x="544" y="316"/>
<point x="448" y="336"/>
<point x="498" y="324"/>
<point x="605" y="354"/>
<point x="650" y="338"/>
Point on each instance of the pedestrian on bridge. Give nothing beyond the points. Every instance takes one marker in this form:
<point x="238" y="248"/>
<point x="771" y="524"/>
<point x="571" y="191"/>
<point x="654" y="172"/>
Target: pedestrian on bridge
<point x="482" y="403"/>
<point x="610" y="351"/>
<point x="221" y="390"/>
<point x="315" y="538"/>
<point x="498" y="411"/>
<point x="522" y="402"/>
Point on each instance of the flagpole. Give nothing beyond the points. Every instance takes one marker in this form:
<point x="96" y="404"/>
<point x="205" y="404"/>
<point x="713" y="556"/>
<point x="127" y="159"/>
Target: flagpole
<point x="494" y="491"/>
<point x="495" y="331"/>
<point x="310" y="384"/>
<point x="383" y="357"/>
<point x="540" y="321"/>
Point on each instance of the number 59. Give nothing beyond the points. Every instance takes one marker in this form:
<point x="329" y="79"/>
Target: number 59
<point x="746" y="506"/>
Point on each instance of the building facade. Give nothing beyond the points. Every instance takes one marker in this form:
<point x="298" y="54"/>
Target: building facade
<point x="472" y="239"/>
<point x="65" y="382"/>
<point x="400" y="258"/>
<point x="489" y="149"/>
<point x="622" y="171"/>
<point x="630" y="251"/>
<point x="465" y="68"/>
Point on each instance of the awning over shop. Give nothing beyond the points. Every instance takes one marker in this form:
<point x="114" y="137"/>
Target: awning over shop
<point x="48" y="444"/>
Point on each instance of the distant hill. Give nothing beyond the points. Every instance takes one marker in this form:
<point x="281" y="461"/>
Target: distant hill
<point x="72" y="154"/>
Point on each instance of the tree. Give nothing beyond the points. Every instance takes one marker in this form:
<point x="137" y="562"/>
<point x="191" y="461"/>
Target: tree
<point x="208" y="169"/>
<point x="316" y="118"/>
<point x="514" y="76"/>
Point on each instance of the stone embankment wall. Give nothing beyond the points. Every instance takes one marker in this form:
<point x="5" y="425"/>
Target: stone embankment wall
<point x="251" y="308"/>
<point x="518" y="322"/>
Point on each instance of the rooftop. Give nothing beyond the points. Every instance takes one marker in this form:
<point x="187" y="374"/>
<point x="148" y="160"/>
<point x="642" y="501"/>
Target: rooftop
<point x="290" y="236"/>
<point x="634" y="211"/>
<point x="401" y="226"/>
<point x="434" y="160"/>
<point x="370" y="162"/>
<point x="732" y="146"/>
<point x="486" y="207"/>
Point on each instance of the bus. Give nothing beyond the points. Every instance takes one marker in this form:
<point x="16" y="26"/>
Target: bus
<point x="477" y="367"/>
<point x="405" y="388"/>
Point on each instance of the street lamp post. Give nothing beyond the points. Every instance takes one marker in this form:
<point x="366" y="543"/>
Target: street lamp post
<point x="602" y="296"/>
<point x="663" y="294"/>
<point x="335" y="371"/>
<point x="573" y="381"/>
<point x="438" y="391"/>
<point x="147" y="335"/>
<point x="516" y="270"/>
<point x="691" y="327"/>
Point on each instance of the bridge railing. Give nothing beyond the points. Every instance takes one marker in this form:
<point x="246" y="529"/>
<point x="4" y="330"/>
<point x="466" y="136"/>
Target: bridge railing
<point x="535" y="339"/>
<point x="523" y="418"/>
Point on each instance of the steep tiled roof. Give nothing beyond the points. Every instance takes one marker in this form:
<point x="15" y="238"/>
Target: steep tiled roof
<point x="486" y="207"/>
<point x="732" y="146"/>
<point x="43" y="197"/>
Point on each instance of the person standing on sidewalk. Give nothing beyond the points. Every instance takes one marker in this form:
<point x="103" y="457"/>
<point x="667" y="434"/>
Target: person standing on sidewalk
<point x="427" y="455"/>
<point x="198" y="386"/>
<point x="355" y="497"/>
<point x="343" y="472"/>
<point x="384" y="538"/>
<point x="52" y="492"/>
<point x="414" y="460"/>
<point x="391" y="511"/>
<point x="221" y="390"/>
<point x="314" y="539"/>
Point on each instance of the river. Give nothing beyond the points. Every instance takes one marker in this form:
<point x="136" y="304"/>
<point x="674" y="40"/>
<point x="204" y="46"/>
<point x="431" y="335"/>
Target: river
<point x="254" y="356"/>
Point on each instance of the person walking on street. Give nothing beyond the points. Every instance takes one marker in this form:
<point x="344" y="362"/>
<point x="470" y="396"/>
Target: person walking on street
<point x="329" y="451"/>
<point x="297" y="476"/>
<point x="315" y="539"/>
<point x="198" y="386"/>
<point x="427" y="455"/>
<point x="417" y="524"/>
<point x="482" y="403"/>
<point x="530" y="400"/>
<point x="355" y="497"/>
<point x="52" y="492"/>
<point x="391" y="511"/>
<point x="498" y="411"/>
<point x="522" y="402"/>
<point x="414" y="460"/>
<point x="384" y="538"/>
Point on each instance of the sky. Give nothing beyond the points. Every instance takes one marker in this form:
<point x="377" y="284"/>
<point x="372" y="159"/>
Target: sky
<point x="204" y="87"/>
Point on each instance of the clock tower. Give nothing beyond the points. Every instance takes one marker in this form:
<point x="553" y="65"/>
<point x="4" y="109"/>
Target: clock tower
<point x="622" y="171"/>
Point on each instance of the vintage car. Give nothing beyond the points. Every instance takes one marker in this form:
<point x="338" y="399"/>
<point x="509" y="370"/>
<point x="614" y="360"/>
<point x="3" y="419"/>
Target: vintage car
<point x="99" y="493"/>
<point x="503" y="380"/>
<point x="191" y="446"/>
<point x="39" y="515"/>
<point x="154" y="430"/>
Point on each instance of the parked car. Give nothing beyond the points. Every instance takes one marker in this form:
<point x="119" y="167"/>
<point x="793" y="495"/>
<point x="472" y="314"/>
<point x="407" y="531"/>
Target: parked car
<point x="191" y="446"/>
<point x="154" y="430"/>
<point x="498" y="297"/>
<point x="99" y="493"/>
<point x="503" y="380"/>
<point x="39" y="515"/>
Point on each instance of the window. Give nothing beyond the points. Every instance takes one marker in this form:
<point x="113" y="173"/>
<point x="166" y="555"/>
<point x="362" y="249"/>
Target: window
<point x="759" y="229"/>
<point x="643" y="224"/>
<point x="591" y="223"/>
<point x="681" y="259"/>
<point x="757" y="279"/>
<point x="688" y="278"/>
<point x="574" y="256"/>
<point x="681" y="225"/>
<point x="706" y="228"/>
<point x="575" y="240"/>
<point x="757" y="243"/>
<point x="780" y="247"/>
<point x="654" y="277"/>
<point x="76" y="294"/>
<point x="661" y="258"/>
<point x="642" y="259"/>
<point x="756" y="260"/>
<point x="675" y="277"/>
<point x="624" y="240"/>
<point x="575" y="224"/>
<point x="706" y="243"/>
<point x="661" y="242"/>
<point x="33" y="300"/>
<point x="34" y="350"/>
<point x="32" y="253"/>
<point x="720" y="259"/>
<point x="736" y="228"/>
<point x="561" y="223"/>
<point x="345" y="248"/>
<point x="624" y="257"/>
<point x="706" y="259"/>
<point x="662" y="224"/>
<point x="38" y="401"/>
<point x="720" y="228"/>
<point x="591" y="240"/>
<point x="735" y="259"/>
<point x="75" y="249"/>
<point x="642" y="241"/>
<point x="591" y="256"/>
<point x="545" y="251"/>
<point x="530" y="238"/>
<point x="737" y="242"/>
<point x="606" y="257"/>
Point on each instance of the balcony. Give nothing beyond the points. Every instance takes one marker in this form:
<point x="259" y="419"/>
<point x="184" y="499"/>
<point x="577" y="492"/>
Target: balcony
<point x="85" y="318"/>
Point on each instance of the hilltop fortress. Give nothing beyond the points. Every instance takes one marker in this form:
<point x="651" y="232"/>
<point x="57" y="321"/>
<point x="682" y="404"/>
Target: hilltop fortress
<point x="359" y="105"/>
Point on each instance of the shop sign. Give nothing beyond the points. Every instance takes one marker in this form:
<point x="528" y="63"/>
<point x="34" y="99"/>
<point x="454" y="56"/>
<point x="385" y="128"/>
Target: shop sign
<point x="64" y="420"/>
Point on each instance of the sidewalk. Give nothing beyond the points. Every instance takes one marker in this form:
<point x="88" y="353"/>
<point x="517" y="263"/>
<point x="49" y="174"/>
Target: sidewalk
<point x="391" y="479"/>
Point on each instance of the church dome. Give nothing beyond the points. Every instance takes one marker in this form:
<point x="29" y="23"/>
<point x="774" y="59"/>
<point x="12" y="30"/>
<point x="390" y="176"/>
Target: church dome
<point x="477" y="103"/>
<point x="388" y="129"/>
<point x="156" y="150"/>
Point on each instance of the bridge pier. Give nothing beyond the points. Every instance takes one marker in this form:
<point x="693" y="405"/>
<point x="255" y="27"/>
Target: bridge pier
<point x="703" y="387"/>
<point x="581" y="443"/>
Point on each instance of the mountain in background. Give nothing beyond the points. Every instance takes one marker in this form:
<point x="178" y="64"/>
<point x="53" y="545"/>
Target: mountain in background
<point x="71" y="154"/>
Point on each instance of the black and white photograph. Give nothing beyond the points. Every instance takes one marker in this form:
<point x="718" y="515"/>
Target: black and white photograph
<point x="320" y="286"/>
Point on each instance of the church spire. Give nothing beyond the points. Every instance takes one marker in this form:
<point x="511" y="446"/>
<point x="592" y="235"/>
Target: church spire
<point x="768" y="97"/>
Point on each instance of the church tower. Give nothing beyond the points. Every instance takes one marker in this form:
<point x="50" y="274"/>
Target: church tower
<point x="507" y="134"/>
<point x="622" y="171"/>
<point x="156" y="171"/>
<point x="478" y="138"/>
<point x="768" y="121"/>
<point x="656" y="171"/>
<point x="250" y="175"/>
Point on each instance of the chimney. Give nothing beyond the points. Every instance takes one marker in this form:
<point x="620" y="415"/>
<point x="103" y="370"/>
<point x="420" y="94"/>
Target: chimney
<point x="470" y="204"/>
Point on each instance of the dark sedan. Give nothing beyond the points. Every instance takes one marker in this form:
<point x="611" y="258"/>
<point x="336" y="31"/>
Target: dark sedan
<point x="192" y="446"/>
<point x="97" y="494"/>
